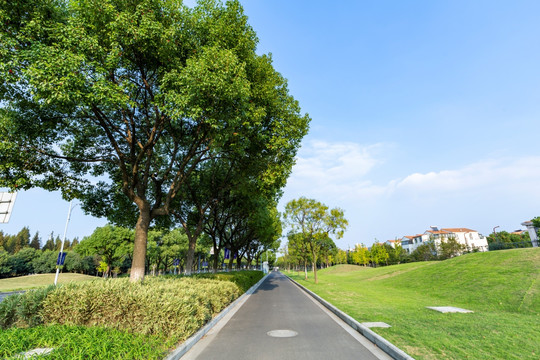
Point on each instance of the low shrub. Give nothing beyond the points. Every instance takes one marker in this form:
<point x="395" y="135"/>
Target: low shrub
<point x="173" y="308"/>
<point x="8" y="310"/>
<point x="24" y="310"/>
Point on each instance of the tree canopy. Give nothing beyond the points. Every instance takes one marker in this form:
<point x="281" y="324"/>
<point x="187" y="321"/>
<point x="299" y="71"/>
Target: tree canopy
<point x="117" y="103"/>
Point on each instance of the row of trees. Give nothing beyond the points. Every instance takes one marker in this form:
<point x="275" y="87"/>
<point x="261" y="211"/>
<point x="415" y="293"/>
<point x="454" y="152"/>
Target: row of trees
<point x="12" y="244"/>
<point x="150" y="113"/>
<point x="109" y="251"/>
<point x="31" y="261"/>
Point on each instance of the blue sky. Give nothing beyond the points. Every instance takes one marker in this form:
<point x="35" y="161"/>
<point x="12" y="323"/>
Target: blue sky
<point x="423" y="113"/>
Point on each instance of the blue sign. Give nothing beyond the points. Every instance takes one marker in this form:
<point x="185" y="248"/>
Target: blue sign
<point x="227" y="254"/>
<point x="61" y="258"/>
<point x="176" y="262"/>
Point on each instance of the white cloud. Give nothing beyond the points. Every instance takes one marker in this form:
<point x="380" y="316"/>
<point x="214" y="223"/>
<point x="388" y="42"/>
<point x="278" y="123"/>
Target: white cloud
<point x="504" y="176"/>
<point x="477" y="195"/>
<point x="333" y="169"/>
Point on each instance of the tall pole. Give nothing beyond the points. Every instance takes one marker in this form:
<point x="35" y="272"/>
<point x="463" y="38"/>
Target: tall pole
<point x="63" y="240"/>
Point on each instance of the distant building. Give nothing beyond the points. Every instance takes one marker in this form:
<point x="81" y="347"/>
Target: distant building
<point x="470" y="238"/>
<point x="393" y="243"/>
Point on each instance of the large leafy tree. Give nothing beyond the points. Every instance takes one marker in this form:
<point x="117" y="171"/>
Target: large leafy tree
<point x="117" y="102"/>
<point x="313" y="222"/>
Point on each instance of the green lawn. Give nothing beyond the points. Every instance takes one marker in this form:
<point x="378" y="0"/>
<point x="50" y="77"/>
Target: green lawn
<point x="501" y="287"/>
<point x="38" y="280"/>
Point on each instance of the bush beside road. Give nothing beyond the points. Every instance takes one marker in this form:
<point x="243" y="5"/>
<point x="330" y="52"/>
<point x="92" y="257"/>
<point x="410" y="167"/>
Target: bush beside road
<point x="164" y="310"/>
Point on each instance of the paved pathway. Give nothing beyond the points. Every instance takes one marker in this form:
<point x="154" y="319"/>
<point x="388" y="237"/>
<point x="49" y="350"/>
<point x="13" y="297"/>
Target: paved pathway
<point x="278" y="304"/>
<point x="3" y="295"/>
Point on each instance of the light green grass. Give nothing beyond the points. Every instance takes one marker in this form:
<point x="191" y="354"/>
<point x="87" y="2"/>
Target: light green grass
<point x="38" y="280"/>
<point x="501" y="287"/>
<point x="77" y="342"/>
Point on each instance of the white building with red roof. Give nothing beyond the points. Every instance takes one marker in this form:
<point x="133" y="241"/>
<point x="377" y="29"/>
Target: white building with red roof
<point x="470" y="238"/>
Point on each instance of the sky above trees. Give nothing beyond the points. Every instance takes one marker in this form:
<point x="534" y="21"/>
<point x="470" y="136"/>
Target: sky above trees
<point x="423" y="113"/>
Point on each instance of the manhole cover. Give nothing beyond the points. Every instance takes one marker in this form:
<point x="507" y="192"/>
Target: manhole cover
<point x="282" y="333"/>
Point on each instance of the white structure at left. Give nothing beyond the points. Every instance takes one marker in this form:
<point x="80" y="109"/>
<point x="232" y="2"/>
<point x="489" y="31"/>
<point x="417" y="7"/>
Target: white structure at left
<point x="7" y="200"/>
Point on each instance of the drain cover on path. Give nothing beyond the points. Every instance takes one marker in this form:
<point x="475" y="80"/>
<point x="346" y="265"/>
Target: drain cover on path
<point x="449" y="309"/>
<point x="282" y="333"/>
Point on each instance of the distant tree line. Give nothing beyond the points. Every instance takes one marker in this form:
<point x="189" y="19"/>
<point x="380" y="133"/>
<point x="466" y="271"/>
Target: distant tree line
<point x="22" y="254"/>
<point x="380" y="254"/>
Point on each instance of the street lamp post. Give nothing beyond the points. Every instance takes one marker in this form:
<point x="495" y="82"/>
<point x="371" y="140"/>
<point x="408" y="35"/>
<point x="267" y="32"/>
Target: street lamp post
<point x="63" y="241"/>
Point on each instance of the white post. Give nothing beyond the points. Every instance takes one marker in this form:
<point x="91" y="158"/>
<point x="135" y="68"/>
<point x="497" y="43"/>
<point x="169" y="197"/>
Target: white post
<point x="532" y="232"/>
<point x="63" y="240"/>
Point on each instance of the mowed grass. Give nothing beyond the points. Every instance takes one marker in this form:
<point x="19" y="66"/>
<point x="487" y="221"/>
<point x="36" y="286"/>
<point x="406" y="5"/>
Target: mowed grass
<point x="39" y="280"/>
<point x="501" y="287"/>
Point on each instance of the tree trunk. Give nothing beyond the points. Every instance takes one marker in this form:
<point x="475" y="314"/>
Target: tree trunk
<point x="314" y="254"/>
<point x="216" y="260"/>
<point x="315" y="272"/>
<point x="139" y="248"/>
<point x="190" y="254"/>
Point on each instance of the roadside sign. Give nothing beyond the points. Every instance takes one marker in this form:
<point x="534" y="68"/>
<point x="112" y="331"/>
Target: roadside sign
<point x="61" y="258"/>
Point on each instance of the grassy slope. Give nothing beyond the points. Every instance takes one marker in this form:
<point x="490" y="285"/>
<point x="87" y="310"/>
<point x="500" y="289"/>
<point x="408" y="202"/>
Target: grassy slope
<point x="502" y="288"/>
<point x="34" y="281"/>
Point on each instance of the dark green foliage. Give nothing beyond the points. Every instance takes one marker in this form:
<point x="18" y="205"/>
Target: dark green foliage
<point x="78" y="264"/>
<point x="77" y="342"/>
<point x="425" y="252"/>
<point x="35" y="243"/>
<point x="46" y="262"/>
<point x="21" y="262"/>
<point x="509" y="245"/>
<point x="5" y="264"/>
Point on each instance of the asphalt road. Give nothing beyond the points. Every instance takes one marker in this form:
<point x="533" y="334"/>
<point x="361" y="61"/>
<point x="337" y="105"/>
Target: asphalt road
<point x="279" y="305"/>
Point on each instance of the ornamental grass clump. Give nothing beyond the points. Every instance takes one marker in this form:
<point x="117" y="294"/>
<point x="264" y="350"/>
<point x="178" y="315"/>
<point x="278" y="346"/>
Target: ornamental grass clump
<point x="24" y="310"/>
<point x="173" y="308"/>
